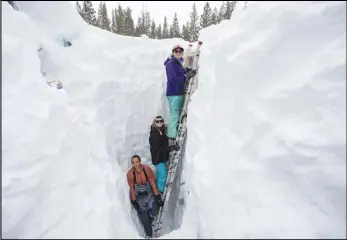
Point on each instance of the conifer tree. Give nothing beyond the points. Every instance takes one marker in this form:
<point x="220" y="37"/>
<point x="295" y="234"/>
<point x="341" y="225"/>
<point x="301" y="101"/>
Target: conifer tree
<point x="113" y="22"/>
<point x="230" y="6"/>
<point x="206" y="16"/>
<point x="141" y="27"/>
<point x="79" y="9"/>
<point x="89" y="13"/>
<point x="159" y="33"/>
<point x="120" y="19"/>
<point x="227" y="13"/>
<point x="185" y="33"/>
<point x="171" y="32"/>
<point x="194" y="24"/>
<point x="215" y="16"/>
<point x="165" y="29"/>
<point x="153" y="30"/>
<point x="129" y="29"/>
<point x="176" y="33"/>
<point x="103" y="20"/>
<point x="148" y="24"/>
<point x="222" y="12"/>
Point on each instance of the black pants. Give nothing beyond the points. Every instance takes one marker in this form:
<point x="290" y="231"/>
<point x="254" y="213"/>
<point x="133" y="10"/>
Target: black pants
<point x="146" y="222"/>
<point x="148" y="210"/>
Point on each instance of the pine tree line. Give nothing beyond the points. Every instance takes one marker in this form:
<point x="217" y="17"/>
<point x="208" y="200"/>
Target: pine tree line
<point x="122" y="21"/>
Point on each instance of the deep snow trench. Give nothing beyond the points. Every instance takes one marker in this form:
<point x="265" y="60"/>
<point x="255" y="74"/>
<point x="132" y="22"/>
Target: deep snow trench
<point x="266" y="149"/>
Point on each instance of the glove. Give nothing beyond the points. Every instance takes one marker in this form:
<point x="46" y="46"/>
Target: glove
<point x="135" y="205"/>
<point x="190" y="74"/>
<point x="188" y="69"/>
<point x="159" y="200"/>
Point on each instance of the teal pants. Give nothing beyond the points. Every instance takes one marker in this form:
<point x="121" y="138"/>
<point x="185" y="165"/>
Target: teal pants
<point x="175" y="105"/>
<point x="161" y="175"/>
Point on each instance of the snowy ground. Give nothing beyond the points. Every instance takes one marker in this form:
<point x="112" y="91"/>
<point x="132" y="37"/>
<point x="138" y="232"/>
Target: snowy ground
<point x="266" y="149"/>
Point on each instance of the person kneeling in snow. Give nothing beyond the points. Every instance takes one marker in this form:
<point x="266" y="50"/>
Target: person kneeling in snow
<point x="160" y="150"/>
<point x="176" y="79"/>
<point x="144" y="194"/>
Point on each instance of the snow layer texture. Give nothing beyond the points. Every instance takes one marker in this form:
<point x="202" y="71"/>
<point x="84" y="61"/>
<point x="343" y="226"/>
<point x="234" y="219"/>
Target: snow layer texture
<point x="266" y="145"/>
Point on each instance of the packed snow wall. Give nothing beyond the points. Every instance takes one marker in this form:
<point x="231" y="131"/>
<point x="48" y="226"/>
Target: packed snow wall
<point x="66" y="152"/>
<point x="266" y="149"/>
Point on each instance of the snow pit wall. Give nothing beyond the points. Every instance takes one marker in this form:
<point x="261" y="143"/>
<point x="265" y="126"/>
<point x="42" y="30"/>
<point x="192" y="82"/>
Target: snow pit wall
<point x="76" y="142"/>
<point x="266" y="152"/>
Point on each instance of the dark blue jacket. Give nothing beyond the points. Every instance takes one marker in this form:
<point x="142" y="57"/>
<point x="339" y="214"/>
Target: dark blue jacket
<point x="175" y="76"/>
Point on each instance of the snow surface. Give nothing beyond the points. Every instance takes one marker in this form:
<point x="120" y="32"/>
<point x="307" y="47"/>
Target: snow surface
<point x="266" y="148"/>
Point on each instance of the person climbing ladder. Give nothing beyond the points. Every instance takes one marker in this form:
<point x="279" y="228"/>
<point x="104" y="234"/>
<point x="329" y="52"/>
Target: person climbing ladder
<point x="177" y="76"/>
<point x="144" y="194"/>
<point x="159" y="148"/>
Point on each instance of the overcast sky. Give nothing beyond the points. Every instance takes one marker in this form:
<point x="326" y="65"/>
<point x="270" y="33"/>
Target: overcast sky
<point x="159" y="9"/>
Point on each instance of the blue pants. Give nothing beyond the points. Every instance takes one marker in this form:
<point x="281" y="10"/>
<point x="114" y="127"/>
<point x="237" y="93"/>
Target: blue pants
<point x="161" y="176"/>
<point x="175" y="105"/>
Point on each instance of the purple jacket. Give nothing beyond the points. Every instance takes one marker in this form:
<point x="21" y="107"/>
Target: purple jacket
<point x="175" y="76"/>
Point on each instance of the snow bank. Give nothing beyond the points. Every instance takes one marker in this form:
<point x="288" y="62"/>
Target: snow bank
<point x="266" y="149"/>
<point x="66" y="152"/>
<point x="58" y="19"/>
<point x="54" y="167"/>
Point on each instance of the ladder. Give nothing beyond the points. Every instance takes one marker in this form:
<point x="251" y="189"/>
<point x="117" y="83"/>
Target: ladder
<point x="177" y="155"/>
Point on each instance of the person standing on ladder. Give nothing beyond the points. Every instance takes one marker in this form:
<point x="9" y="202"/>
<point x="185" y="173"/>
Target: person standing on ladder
<point x="177" y="76"/>
<point x="144" y="194"/>
<point x="160" y="150"/>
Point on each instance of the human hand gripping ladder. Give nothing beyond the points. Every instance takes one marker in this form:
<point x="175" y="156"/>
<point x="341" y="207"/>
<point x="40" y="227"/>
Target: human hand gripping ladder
<point x="175" y="155"/>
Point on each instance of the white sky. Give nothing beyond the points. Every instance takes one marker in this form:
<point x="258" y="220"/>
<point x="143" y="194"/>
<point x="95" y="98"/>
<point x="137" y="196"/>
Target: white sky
<point x="160" y="9"/>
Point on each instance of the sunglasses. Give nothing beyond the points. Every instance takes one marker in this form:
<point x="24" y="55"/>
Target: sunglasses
<point x="159" y="121"/>
<point x="178" y="51"/>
